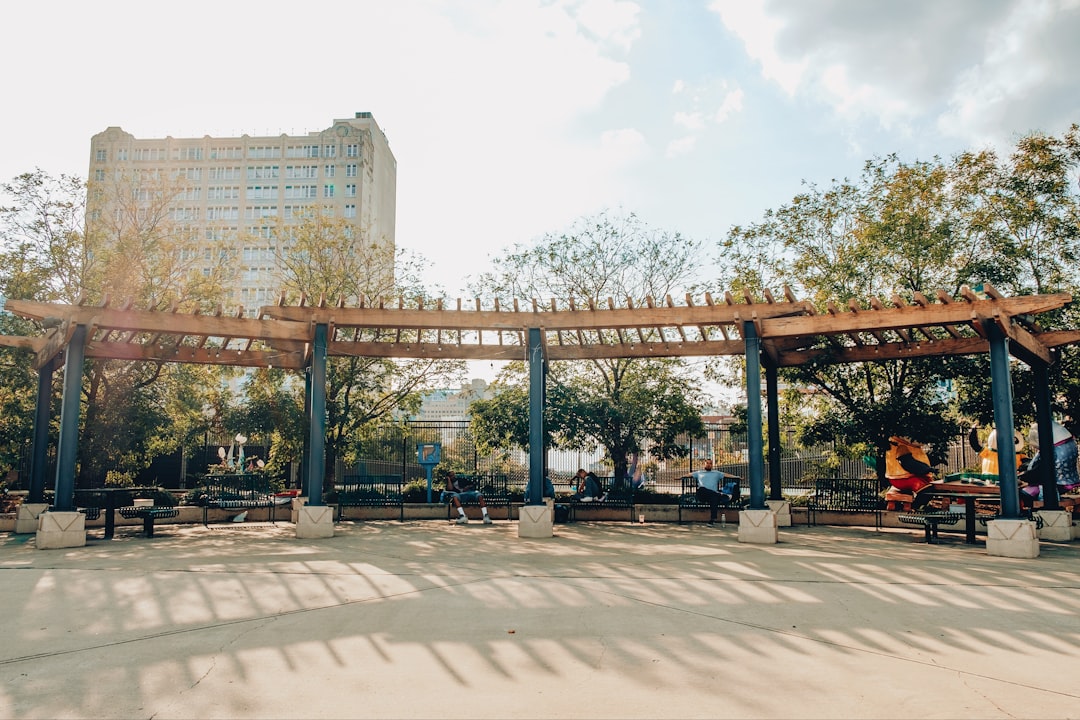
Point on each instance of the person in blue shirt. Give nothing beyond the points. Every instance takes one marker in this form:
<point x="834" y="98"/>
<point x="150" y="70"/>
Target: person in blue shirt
<point x="710" y="489"/>
<point x="587" y="487"/>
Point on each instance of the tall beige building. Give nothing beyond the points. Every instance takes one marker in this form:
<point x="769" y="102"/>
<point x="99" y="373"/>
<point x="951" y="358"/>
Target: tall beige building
<point x="235" y="190"/>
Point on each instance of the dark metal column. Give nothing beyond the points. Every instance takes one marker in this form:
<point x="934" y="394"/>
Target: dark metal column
<point x="67" y="450"/>
<point x="305" y="452"/>
<point x="1044" y="416"/>
<point x="39" y="450"/>
<point x="753" y="417"/>
<point x="317" y="426"/>
<point x="537" y="452"/>
<point x="772" y="409"/>
<point x="1001" y="391"/>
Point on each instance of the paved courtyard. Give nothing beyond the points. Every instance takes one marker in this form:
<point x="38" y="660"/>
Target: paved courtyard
<point x="424" y="619"/>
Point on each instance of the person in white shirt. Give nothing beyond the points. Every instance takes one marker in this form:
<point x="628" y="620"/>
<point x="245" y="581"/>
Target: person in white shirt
<point x="710" y="489"/>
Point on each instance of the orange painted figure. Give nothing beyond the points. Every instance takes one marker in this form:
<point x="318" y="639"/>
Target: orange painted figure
<point x="907" y="466"/>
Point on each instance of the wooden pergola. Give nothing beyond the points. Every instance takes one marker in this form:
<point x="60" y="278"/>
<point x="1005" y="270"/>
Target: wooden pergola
<point x="767" y="332"/>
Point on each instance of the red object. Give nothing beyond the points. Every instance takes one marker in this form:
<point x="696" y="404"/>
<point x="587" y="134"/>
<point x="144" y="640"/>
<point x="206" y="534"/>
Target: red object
<point x="911" y="483"/>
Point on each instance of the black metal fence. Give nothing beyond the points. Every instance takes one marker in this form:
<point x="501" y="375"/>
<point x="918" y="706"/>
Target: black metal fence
<point x="392" y="450"/>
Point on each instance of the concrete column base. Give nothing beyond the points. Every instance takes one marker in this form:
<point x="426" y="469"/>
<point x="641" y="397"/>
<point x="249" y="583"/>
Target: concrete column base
<point x="758" y="526"/>
<point x="61" y="530"/>
<point x="1014" y="538"/>
<point x="535" y="521"/>
<point x="782" y="508"/>
<point x="26" y="517"/>
<point x="315" y="521"/>
<point x="297" y="503"/>
<point x="1057" y="525"/>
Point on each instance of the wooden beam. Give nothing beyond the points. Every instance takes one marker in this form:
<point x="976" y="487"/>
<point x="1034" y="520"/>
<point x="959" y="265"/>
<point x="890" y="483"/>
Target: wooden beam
<point x="887" y="351"/>
<point x="196" y="355"/>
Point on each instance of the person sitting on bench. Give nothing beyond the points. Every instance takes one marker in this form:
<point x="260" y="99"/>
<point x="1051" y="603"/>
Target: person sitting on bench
<point x="588" y="487"/>
<point x="710" y="490"/>
<point x="458" y="489"/>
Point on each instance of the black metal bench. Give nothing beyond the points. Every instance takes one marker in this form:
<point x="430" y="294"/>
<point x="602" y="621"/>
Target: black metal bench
<point x="846" y="495"/>
<point x="688" y="499"/>
<point x="91" y="513"/>
<point x="621" y="498"/>
<point x="148" y="514"/>
<point x="495" y="489"/>
<point x="236" y="491"/>
<point x="930" y="521"/>
<point x="371" y="491"/>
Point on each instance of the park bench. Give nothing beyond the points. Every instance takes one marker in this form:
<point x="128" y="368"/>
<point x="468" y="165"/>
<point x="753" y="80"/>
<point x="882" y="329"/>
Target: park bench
<point x="688" y="499"/>
<point x="930" y="521"/>
<point x="495" y="489"/>
<point x="148" y="514"/>
<point x="91" y="513"/>
<point x="371" y="491"/>
<point x="846" y="495"/>
<point x="236" y="491"/>
<point x="621" y="498"/>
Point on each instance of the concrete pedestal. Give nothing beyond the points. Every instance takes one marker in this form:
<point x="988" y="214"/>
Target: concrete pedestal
<point x="315" y="521"/>
<point x="26" y="517"/>
<point x="1057" y="525"/>
<point x="61" y="530"/>
<point x="758" y="526"/>
<point x="1012" y="538"/>
<point x="535" y="521"/>
<point x="297" y="503"/>
<point x="782" y="508"/>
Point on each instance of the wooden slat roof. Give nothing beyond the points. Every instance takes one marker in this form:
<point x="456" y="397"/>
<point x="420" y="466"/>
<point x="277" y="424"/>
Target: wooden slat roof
<point x="792" y="332"/>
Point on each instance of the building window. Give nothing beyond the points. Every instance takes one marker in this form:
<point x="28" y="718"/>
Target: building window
<point x="350" y="211"/>
<point x="329" y="150"/>
<point x="224" y="173"/>
<point x="301" y="191"/>
<point x="99" y="174"/>
<point x="350" y="171"/>
<point x="301" y="171"/>
<point x="350" y="191"/>
<point x="262" y="192"/>
<point x="328" y="191"/>
<point x="101" y="155"/>
<point x="266" y="172"/>
<point x="352" y="150"/>
<point x="262" y="152"/>
<point x="330" y="170"/>
<point x="122" y="154"/>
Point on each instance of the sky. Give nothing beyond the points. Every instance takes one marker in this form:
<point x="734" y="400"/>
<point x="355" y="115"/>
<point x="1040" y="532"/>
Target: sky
<point x="512" y="119"/>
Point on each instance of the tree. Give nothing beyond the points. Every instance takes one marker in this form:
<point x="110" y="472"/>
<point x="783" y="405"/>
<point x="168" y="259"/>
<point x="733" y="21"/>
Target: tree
<point x="622" y="404"/>
<point x="324" y="256"/>
<point x="131" y="250"/>
<point x="905" y="228"/>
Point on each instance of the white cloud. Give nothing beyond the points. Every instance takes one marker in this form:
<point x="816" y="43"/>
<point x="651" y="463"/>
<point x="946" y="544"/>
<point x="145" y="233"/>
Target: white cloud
<point x="678" y="87"/>
<point x="732" y="103"/>
<point x="680" y="146"/>
<point x="758" y="29"/>
<point x="689" y="120"/>
<point x="972" y="69"/>
<point x="614" y="22"/>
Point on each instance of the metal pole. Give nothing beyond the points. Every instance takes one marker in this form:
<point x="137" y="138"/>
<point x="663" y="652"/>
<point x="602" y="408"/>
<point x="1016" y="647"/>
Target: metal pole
<point x="1001" y="391"/>
<point x="39" y="451"/>
<point x="1045" y="418"/>
<point x="68" y="447"/>
<point x="753" y="417"/>
<point x="773" y="410"/>
<point x="317" y="428"/>
<point x="535" y="351"/>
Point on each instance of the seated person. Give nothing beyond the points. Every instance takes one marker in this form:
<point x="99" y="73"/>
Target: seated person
<point x="710" y="490"/>
<point x="458" y="489"/>
<point x="548" y="491"/>
<point x="587" y="487"/>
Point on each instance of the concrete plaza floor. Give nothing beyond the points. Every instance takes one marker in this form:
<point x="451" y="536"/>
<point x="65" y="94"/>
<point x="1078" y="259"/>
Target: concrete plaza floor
<point x="424" y="619"/>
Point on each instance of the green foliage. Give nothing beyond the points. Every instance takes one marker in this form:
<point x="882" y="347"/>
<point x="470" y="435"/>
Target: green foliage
<point x="906" y="228"/>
